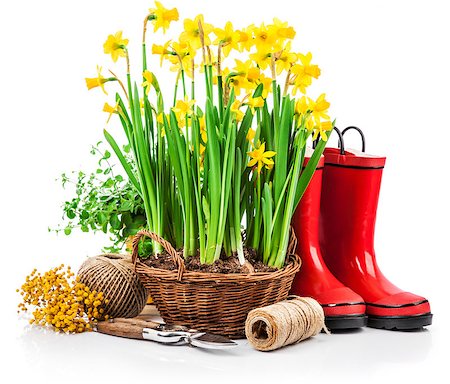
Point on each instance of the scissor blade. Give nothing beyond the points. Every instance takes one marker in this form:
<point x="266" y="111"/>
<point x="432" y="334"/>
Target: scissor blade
<point x="210" y="341"/>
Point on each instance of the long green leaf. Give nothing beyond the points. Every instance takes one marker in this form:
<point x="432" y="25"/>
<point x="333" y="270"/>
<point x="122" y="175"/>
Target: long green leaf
<point x="122" y="160"/>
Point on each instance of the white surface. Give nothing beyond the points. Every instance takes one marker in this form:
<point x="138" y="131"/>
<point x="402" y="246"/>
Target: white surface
<point x="384" y="68"/>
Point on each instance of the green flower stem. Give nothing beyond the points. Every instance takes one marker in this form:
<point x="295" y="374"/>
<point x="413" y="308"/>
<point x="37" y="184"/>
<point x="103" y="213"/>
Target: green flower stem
<point x="220" y="96"/>
<point x="257" y="219"/>
<point x="184" y="83"/>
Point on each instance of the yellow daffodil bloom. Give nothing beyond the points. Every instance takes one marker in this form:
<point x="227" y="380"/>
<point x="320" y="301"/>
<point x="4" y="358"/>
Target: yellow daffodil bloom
<point x="202" y="124"/>
<point x="247" y="69"/>
<point x="321" y="130"/>
<point x="257" y="102"/>
<point x="264" y="38"/>
<point x="309" y="124"/>
<point x="303" y="105"/>
<point x="162" y="17"/>
<point x="182" y="110"/>
<point x="110" y="109"/>
<point x="308" y="68"/>
<point x="116" y="46"/>
<point x="245" y="42"/>
<point x="182" y="57"/>
<point x="235" y="107"/>
<point x="240" y="83"/>
<point x="267" y="85"/>
<point x="160" y="120"/>
<point x="304" y="73"/>
<point x="250" y="135"/>
<point x="285" y="59"/>
<point x="261" y="157"/>
<point x="99" y="81"/>
<point x="246" y="77"/>
<point x="147" y="84"/>
<point x="319" y="108"/>
<point x="228" y="38"/>
<point x="282" y="29"/>
<point x="262" y="58"/>
<point x="191" y="33"/>
<point x="162" y="50"/>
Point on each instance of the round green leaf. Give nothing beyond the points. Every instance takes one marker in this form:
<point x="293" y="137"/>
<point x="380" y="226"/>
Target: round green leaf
<point x="115" y="221"/>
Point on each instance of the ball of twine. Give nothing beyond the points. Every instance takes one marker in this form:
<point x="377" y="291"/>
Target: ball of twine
<point x="114" y="275"/>
<point x="287" y="322"/>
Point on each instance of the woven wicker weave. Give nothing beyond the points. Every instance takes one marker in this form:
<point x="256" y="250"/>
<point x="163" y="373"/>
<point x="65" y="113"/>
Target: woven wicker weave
<point x="212" y="302"/>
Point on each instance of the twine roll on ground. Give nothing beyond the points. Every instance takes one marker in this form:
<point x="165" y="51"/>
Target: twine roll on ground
<point x="287" y="322"/>
<point x="114" y="275"/>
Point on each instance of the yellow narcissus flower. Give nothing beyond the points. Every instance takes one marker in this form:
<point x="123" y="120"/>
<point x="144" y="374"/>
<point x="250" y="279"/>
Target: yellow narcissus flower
<point x="285" y="59"/>
<point x="202" y="124"/>
<point x="304" y="73"/>
<point x="162" y="17"/>
<point x="267" y="84"/>
<point x="160" y="118"/>
<point x="182" y="109"/>
<point x="110" y="109"/>
<point x="309" y="125"/>
<point x="319" y="108"/>
<point x="261" y="157"/>
<point x="257" y="102"/>
<point x="116" y="46"/>
<point x="239" y="83"/>
<point x="235" y="108"/>
<point x="262" y="58"/>
<point x="250" y="135"/>
<point x="303" y="105"/>
<point x="246" y="76"/>
<point x="228" y="38"/>
<point x="99" y="81"/>
<point x="182" y="57"/>
<point x="162" y="50"/>
<point x="147" y="84"/>
<point x="245" y="41"/>
<point x="321" y="130"/>
<point x="282" y="29"/>
<point x="191" y="33"/>
<point x="264" y="38"/>
<point x="247" y="69"/>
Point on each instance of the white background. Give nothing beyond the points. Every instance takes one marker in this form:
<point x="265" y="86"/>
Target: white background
<point x="385" y="68"/>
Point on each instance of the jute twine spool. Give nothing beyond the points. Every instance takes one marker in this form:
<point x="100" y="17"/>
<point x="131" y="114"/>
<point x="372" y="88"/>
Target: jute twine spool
<point x="287" y="322"/>
<point x="114" y="275"/>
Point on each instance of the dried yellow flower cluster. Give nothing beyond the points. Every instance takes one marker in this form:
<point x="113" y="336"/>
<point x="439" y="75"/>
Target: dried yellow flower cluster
<point x="62" y="302"/>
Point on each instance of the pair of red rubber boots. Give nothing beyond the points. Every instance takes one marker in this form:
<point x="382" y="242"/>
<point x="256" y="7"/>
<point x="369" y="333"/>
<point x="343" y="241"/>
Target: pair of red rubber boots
<point x="334" y="223"/>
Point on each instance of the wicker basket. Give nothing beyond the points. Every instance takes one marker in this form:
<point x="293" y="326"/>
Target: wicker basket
<point x="212" y="302"/>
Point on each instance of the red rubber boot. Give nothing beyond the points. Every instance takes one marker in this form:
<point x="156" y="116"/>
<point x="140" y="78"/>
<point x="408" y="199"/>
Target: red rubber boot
<point x="350" y="190"/>
<point x="343" y="308"/>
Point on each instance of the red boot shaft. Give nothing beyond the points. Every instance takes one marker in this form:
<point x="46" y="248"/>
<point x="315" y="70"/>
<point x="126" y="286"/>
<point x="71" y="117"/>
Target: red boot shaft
<point x="350" y="191"/>
<point x="314" y="278"/>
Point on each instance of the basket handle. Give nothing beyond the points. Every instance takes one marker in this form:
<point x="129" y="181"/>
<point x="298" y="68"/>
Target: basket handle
<point x="165" y="244"/>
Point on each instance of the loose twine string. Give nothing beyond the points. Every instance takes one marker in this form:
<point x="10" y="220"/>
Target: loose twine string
<point x="287" y="322"/>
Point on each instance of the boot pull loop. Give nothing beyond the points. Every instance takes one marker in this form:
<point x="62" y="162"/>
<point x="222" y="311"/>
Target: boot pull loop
<point x="363" y="139"/>
<point x="340" y="142"/>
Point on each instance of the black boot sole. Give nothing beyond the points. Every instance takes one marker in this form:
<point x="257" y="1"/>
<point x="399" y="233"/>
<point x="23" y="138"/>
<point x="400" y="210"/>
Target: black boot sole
<point x="345" y="322"/>
<point x="400" y="323"/>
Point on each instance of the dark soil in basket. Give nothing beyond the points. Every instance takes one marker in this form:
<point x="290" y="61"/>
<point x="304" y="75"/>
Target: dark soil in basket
<point x="223" y="265"/>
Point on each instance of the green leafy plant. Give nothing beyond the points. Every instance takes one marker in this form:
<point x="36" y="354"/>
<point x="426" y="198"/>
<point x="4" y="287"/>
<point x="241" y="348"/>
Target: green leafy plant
<point x="104" y="201"/>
